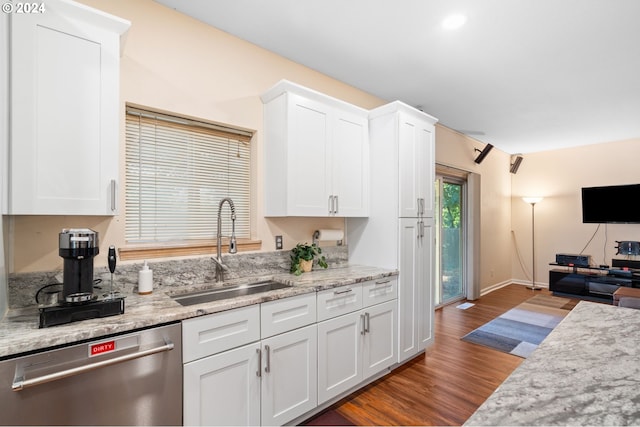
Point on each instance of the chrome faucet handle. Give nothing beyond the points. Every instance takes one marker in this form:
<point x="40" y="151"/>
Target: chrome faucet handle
<point x="219" y="262"/>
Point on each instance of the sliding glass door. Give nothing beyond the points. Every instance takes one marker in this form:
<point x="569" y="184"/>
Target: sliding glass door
<point x="450" y="239"/>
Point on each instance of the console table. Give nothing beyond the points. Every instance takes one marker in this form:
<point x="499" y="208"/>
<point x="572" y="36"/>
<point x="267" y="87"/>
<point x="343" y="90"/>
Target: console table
<point x="597" y="283"/>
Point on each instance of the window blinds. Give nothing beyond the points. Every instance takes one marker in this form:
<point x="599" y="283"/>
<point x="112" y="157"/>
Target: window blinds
<point x="177" y="171"/>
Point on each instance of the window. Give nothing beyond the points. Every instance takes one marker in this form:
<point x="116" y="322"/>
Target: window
<point x="177" y="171"/>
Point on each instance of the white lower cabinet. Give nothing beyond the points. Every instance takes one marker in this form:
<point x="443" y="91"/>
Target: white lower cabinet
<point x="289" y="375"/>
<point x="379" y="343"/>
<point x="223" y="389"/>
<point x="255" y="382"/>
<point x="270" y="364"/>
<point x="355" y="346"/>
<point x="339" y="358"/>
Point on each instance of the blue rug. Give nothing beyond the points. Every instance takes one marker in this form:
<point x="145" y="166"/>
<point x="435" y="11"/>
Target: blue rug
<point x="520" y="330"/>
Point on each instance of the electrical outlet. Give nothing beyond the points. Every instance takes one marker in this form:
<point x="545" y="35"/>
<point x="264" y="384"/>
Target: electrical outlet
<point x="278" y="242"/>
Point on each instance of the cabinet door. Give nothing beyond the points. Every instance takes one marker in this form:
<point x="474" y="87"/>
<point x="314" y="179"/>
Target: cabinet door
<point x="379" y="349"/>
<point x="350" y="165"/>
<point x="65" y="125"/>
<point x="408" y="282"/>
<point x="425" y="289"/>
<point x="223" y="389"/>
<point x="408" y="146"/>
<point x="416" y="167"/>
<point x="426" y="167"/>
<point x="289" y="375"/>
<point x="339" y="359"/>
<point x="308" y="164"/>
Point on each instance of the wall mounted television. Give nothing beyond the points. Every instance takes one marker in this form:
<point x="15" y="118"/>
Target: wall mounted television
<point x="611" y="204"/>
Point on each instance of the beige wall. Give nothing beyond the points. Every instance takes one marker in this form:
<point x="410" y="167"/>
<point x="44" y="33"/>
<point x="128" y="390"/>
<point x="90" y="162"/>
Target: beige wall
<point x="558" y="176"/>
<point x="175" y="63"/>
<point x="457" y="150"/>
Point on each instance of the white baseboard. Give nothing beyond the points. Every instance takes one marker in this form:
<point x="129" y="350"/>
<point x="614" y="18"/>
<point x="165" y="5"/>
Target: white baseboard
<point x="496" y="286"/>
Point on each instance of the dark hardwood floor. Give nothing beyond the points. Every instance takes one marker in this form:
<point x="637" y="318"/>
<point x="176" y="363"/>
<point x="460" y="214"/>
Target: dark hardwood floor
<point x="450" y="381"/>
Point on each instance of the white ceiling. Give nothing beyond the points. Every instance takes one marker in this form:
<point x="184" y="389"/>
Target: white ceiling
<point x="523" y="75"/>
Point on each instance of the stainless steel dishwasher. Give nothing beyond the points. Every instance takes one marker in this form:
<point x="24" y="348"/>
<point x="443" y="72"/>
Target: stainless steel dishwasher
<point x="130" y="379"/>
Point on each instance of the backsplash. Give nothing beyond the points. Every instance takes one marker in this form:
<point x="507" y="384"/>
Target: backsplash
<point x="172" y="273"/>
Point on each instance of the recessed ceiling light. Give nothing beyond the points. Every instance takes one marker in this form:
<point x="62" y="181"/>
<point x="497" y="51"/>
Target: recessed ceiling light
<point x="453" y="22"/>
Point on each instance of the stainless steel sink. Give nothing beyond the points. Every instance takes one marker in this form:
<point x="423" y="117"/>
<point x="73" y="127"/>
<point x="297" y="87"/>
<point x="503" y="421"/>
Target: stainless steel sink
<point x="217" y="294"/>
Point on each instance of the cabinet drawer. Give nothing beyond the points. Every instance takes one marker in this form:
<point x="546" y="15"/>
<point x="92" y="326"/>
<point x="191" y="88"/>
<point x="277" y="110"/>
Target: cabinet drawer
<point x="206" y="335"/>
<point x="287" y="314"/>
<point x="337" y="301"/>
<point x="380" y="290"/>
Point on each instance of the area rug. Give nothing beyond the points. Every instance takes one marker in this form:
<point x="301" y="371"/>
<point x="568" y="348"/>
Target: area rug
<point x="520" y="330"/>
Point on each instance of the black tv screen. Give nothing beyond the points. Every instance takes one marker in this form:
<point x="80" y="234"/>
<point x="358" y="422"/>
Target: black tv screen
<point x="611" y="204"/>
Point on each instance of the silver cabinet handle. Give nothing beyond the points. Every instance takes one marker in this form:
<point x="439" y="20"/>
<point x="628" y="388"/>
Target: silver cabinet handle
<point x="367" y="322"/>
<point x="113" y="195"/>
<point x="342" y="292"/>
<point x="363" y="329"/>
<point x="259" y="371"/>
<point x="267" y="367"/>
<point x="19" y="383"/>
<point x="382" y="282"/>
<point x="333" y="205"/>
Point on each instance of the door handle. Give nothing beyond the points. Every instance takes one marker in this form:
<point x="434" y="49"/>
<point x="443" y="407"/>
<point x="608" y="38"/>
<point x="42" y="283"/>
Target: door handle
<point x="259" y="371"/>
<point x="333" y="204"/>
<point x="342" y="292"/>
<point x="19" y="383"/>
<point x="367" y="321"/>
<point x="362" y="325"/>
<point x="267" y="367"/>
<point x="113" y="195"/>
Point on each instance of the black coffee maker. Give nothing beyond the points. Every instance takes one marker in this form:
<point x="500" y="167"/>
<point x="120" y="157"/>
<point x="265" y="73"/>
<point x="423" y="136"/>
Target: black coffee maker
<point x="78" y="247"/>
<point x="78" y="301"/>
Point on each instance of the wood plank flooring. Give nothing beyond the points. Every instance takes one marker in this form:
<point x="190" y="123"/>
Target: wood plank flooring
<point x="450" y="381"/>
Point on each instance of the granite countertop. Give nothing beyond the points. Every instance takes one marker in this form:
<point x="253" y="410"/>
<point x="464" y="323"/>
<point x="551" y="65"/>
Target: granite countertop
<point x="19" y="332"/>
<point x="586" y="372"/>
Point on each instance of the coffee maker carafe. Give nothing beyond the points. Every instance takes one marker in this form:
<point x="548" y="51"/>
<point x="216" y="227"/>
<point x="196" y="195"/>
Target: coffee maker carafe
<point x="78" y="247"/>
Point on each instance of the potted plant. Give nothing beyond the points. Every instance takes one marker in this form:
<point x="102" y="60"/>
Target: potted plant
<point x="302" y="257"/>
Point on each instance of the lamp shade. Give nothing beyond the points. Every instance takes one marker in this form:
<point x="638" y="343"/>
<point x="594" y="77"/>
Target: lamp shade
<point x="532" y="200"/>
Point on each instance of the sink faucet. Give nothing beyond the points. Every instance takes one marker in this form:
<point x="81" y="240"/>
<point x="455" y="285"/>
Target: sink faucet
<point x="220" y="267"/>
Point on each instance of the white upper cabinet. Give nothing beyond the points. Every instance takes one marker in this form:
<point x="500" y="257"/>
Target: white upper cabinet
<point x="316" y="154"/>
<point x="416" y="166"/>
<point x="64" y="77"/>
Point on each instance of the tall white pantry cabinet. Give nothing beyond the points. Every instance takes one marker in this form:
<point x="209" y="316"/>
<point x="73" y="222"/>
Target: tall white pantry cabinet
<point x="399" y="232"/>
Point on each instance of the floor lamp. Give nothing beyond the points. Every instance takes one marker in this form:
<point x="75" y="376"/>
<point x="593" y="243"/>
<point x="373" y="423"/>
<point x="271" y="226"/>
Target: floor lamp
<point x="532" y="201"/>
